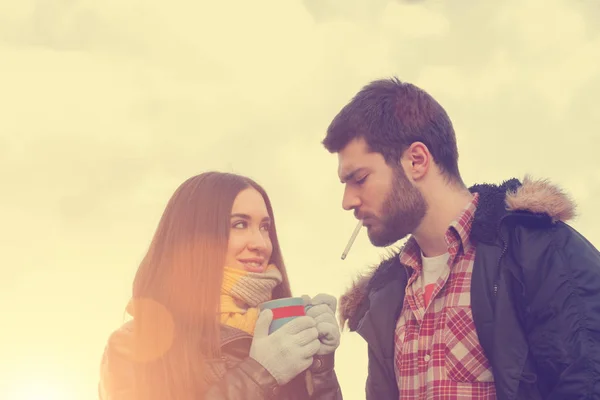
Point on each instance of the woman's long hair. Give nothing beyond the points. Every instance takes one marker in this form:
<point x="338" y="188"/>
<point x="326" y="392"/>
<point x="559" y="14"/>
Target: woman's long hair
<point x="176" y="290"/>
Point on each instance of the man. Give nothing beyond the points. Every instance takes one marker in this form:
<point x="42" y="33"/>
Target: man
<point x="492" y="296"/>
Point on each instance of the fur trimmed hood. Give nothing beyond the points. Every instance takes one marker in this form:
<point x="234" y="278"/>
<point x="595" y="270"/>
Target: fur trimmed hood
<point x="533" y="196"/>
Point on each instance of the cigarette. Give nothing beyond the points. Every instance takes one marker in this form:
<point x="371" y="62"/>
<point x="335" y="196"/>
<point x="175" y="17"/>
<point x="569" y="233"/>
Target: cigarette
<point x="352" y="238"/>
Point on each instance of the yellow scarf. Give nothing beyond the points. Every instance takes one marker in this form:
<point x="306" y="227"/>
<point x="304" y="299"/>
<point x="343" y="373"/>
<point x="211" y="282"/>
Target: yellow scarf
<point x="242" y="292"/>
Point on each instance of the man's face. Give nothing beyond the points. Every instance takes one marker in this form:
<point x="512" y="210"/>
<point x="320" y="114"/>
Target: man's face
<point x="390" y="206"/>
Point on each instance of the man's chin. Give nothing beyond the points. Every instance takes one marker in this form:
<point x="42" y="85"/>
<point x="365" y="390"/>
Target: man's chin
<point x="379" y="241"/>
<point x="383" y="239"/>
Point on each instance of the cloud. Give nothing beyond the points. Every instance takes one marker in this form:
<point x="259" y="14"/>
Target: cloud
<point x="108" y="106"/>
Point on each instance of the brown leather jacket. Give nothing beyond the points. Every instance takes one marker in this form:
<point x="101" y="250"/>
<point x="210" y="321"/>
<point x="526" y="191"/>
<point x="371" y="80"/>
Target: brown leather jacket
<point x="235" y="375"/>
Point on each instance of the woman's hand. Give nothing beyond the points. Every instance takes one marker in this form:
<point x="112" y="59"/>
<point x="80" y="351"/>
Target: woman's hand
<point x="322" y="309"/>
<point x="289" y="350"/>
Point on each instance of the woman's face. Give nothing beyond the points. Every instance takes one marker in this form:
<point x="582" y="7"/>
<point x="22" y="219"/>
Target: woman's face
<point x="249" y="246"/>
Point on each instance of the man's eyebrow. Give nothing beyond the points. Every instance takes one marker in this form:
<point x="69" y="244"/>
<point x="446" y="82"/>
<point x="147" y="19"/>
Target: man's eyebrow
<point x="350" y="175"/>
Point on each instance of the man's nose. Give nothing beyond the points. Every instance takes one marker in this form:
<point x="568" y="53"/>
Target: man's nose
<point x="350" y="200"/>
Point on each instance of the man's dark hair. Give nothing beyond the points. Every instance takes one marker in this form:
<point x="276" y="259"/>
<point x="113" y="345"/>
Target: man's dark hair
<point x="390" y="115"/>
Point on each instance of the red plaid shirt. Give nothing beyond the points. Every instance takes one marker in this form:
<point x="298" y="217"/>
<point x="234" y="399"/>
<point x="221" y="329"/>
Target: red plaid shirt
<point x="437" y="352"/>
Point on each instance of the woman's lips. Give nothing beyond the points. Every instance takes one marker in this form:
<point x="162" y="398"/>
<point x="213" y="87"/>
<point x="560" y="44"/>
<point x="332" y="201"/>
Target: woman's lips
<point x="253" y="266"/>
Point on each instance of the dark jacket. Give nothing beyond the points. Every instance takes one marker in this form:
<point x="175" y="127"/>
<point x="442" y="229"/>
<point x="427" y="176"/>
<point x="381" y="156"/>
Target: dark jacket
<point x="535" y="299"/>
<point x="234" y="377"/>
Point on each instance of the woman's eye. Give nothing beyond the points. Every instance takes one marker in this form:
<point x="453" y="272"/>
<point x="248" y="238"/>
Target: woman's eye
<point x="239" y="225"/>
<point x="266" y="227"/>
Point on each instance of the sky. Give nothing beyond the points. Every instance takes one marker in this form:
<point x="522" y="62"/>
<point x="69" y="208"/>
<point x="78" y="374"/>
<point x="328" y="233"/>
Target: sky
<point x="107" y="106"/>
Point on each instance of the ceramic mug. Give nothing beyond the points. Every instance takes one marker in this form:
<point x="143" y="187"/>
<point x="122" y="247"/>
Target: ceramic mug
<point x="284" y="310"/>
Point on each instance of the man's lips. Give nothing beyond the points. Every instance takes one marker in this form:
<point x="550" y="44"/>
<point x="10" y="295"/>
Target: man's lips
<point x="367" y="221"/>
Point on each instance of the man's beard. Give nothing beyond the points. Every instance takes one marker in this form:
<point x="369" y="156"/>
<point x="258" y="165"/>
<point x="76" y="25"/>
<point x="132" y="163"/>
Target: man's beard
<point x="402" y="211"/>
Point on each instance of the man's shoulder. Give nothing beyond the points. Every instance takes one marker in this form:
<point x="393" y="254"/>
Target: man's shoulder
<point x="530" y="202"/>
<point x="540" y="213"/>
<point x="571" y="241"/>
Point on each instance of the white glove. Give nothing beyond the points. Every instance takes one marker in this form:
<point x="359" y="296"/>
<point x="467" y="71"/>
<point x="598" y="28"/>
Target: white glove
<point x="322" y="309"/>
<point x="289" y="350"/>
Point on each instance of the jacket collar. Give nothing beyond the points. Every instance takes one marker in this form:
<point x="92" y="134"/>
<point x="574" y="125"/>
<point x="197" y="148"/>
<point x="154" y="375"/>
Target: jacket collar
<point x="538" y="197"/>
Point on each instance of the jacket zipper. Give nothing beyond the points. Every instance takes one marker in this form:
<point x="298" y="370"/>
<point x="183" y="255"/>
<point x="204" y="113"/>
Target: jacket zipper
<point x="504" y="249"/>
<point x="498" y="266"/>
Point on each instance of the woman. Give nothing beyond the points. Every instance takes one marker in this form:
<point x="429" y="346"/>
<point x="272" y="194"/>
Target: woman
<point x="196" y="332"/>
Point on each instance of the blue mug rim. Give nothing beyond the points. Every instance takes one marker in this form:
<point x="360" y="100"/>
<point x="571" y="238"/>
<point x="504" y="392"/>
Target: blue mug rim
<point x="283" y="302"/>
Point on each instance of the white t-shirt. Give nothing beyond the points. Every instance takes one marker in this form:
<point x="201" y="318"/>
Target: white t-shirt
<point x="432" y="269"/>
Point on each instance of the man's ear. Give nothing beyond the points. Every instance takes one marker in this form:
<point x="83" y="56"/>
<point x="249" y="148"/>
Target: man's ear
<point x="416" y="161"/>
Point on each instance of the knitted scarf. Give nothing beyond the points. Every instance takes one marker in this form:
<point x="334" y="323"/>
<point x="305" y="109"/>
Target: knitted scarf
<point x="242" y="292"/>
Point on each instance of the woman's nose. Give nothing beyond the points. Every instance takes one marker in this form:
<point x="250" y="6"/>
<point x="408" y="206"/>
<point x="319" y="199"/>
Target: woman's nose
<point x="257" y="241"/>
